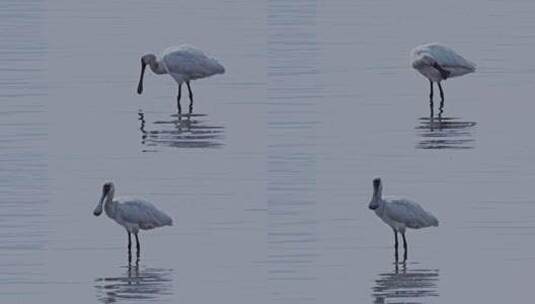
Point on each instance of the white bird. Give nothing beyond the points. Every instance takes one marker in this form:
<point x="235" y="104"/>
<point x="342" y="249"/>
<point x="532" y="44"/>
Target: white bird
<point x="438" y="62"/>
<point x="184" y="63"/>
<point x="132" y="214"/>
<point x="399" y="214"/>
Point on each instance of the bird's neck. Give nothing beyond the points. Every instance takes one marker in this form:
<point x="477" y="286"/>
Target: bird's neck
<point x="157" y="67"/>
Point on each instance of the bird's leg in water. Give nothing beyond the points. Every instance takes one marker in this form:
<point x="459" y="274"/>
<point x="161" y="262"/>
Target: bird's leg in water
<point x="431" y="91"/>
<point x="396" y="245"/>
<point x="431" y="106"/>
<point x="404" y="246"/>
<point x="441" y="92"/>
<point x="190" y="97"/>
<point x="137" y="245"/>
<point x="129" y="248"/>
<point x="178" y="99"/>
<point x="441" y="109"/>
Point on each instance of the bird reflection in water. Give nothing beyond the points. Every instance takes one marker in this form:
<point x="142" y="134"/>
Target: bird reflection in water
<point x="406" y="286"/>
<point x="439" y="132"/>
<point x="136" y="284"/>
<point x="181" y="131"/>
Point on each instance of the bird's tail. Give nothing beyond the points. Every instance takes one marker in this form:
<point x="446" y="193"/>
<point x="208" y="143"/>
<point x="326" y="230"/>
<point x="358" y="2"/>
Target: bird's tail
<point x="165" y="220"/>
<point x="434" y="221"/>
<point x="219" y="68"/>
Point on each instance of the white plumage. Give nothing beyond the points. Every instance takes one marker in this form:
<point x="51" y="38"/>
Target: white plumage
<point x="184" y="63"/>
<point x="400" y="214"/>
<point x="132" y="214"/>
<point x="403" y="213"/>
<point x="437" y="62"/>
<point x="136" y="214"/>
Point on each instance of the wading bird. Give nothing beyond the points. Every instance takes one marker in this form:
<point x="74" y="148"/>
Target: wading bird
<point x="132" y="214"/>
<point x="399" y="214"/>
<point x="184" y="63"/>
<point x="438" y="62"/>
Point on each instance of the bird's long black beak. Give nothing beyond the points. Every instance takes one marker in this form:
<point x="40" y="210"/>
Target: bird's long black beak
<point x="140" y="85"/>
<point x="98" y="209"/>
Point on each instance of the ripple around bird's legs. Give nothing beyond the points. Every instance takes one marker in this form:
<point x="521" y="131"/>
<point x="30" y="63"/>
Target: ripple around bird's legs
<point x="137" y="283"/>
<point x="180" y="131"/>
<point x="439" y="132"/>
<point x="406" y="285"/>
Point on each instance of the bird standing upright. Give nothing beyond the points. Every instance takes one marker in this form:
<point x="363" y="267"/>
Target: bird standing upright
<point x="438" y="62"/>
<point x="399" y="214"/>
<point x="184" y="63"/>
<point x="132" y="214"/>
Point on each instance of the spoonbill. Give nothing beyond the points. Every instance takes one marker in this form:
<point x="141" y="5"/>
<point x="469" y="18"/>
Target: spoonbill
<point x="132" y="214"/>
<point x="184" y="63"/>
<point x="399" y="214"/>
<point x="438" y="62"/>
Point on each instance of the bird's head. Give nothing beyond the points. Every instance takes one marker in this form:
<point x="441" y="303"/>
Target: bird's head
<point x="107" y="191"/>
<point x="377" y="192"/>
<point x="422" y="59"/>
<point x="145" y="60"/>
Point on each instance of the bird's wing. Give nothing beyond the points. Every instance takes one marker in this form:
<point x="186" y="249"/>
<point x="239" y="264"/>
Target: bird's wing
<point x="410" y="213"/>
<point x="143" y="213"/>
<point x="191" y="62"/>
<point x="448" y="58"/>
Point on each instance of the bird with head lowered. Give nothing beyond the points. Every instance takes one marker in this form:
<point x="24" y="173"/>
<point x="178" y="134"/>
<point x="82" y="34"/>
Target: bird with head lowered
<point x="184" y="63"/>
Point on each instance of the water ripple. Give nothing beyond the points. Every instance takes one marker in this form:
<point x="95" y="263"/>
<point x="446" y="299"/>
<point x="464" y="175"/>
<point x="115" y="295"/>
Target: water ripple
<point x="182" y="131"/>
<point x="406" y="286"/>
<point x="135" y="284"/>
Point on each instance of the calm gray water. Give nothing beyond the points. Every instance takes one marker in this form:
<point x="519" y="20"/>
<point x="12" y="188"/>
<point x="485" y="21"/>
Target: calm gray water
<point x="269" y="179"/>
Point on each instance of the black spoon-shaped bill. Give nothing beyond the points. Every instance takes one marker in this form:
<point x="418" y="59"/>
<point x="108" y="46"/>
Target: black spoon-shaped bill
<point x="140" y="85"/>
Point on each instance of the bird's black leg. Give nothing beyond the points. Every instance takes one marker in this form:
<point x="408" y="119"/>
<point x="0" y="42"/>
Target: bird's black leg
<point x="404" y="246"/>
<point x="431" y="107"/>
<point x="430" y="91"/>
<point x="441" y="92"/>
<point x="441" y="108"/>
<point x="190" y="97"/>
<point x="129" y="248"/>
<point x="137" y="245"/>
<point x="178" y="99"/>
<point x="396" y="245"/>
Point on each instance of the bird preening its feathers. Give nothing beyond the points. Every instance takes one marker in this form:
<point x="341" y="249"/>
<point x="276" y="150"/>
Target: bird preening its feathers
<point x="399" y="214"/>
<point x="443" y="72"/>
<point x="437" y="62"/>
